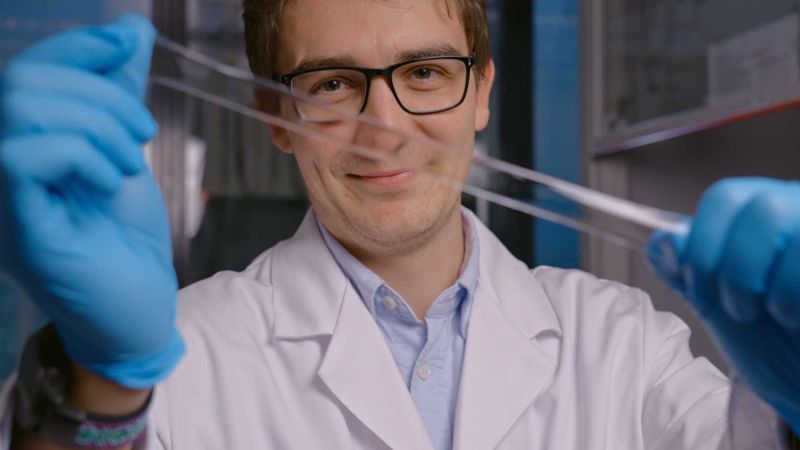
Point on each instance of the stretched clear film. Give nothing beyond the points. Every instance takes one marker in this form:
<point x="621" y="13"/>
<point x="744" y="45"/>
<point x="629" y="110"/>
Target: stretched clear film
<point x="346" y="140"/>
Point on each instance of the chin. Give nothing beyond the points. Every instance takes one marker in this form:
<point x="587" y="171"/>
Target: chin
<point x="401" y="225"/>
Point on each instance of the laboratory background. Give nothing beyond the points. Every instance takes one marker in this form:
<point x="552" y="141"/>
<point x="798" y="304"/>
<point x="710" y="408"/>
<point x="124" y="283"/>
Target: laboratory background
<point x="646" y="100"/>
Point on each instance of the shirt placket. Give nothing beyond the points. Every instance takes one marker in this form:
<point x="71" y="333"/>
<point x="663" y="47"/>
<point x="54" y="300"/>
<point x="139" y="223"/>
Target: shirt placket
<point x="429" y="360"/>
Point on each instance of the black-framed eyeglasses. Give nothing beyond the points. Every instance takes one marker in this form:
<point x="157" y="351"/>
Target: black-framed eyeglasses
<point x="420" y="86"/>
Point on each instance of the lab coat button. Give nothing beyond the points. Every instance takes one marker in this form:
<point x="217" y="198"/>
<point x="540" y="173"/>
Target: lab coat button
<point x="423" y="372"/>
<point x="390" y="303"/>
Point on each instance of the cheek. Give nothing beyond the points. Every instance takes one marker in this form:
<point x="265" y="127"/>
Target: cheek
<point x="319" y="162"/>
<point x="312" y="160"/>
<point x="318" y="181"/>
<point x="316" y="146"/>
<point x="454" y="129"/>
<point x="455" y="126"/>
<point x="450" y="128"/>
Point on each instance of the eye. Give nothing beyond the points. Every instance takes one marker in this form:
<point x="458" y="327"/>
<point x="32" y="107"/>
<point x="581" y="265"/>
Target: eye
<point x="329" y="86"/>
<point x="423" y="73"/>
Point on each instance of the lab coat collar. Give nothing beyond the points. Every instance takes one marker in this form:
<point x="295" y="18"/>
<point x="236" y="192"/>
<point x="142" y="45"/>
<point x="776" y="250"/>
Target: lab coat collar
<point x="309" y="286"/>
<point x="313" y="297"/>
<point x="519" y="295"/>
<point x="360" y="371"/>
<point x="368" y="284"/>
<point x="504" y="367"/>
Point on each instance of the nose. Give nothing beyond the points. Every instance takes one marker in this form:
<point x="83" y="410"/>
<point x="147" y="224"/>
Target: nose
<point x="381" y="105"/>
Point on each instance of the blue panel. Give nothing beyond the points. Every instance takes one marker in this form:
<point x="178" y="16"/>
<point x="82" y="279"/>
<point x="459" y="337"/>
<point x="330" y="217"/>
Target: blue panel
<point x="557" y="119"/>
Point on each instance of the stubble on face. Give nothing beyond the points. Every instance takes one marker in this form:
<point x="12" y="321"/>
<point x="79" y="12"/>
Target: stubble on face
<point x="388" y="223"/>
<point x="376" y="221"/>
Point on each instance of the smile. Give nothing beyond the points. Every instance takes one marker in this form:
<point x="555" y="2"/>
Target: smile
<point x="384" y="180"/>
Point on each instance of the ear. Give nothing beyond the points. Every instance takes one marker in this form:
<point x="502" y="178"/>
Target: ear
<point x="267" y="103"/>
<point x="281" y="139"/>
<point x="485" y="84"/>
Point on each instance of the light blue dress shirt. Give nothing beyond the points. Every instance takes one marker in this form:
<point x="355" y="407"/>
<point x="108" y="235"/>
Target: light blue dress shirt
<point x="428" y="353"/>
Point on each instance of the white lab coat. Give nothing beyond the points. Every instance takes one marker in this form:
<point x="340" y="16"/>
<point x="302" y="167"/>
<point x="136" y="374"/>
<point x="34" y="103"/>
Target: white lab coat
<point x="285" y="355"/>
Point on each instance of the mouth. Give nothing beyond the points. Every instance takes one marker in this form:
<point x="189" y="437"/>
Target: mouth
<point x="384" y="179"/>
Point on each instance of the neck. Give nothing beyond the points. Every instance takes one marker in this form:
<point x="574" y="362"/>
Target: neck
<point x="420" y="274"/>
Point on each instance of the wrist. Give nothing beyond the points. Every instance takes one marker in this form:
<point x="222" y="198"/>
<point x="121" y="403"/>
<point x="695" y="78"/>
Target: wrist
<point x="60" y="402"/>
<point x="97" y="395"/>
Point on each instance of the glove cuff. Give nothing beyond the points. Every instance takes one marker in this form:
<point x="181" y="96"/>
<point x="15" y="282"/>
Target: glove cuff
<point x="145" y="372"/>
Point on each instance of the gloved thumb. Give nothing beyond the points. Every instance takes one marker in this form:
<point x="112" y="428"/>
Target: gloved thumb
<point x="664" y="251"/>
<point x="140" y="36"/>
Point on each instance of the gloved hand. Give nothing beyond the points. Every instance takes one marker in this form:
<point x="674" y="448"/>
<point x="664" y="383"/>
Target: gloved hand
<point x="740" y="268"/>
<point x="82" y="222"/>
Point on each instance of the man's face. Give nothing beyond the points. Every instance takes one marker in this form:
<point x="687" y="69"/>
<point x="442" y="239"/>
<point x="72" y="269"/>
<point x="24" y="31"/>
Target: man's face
<point x="386" y="204"/>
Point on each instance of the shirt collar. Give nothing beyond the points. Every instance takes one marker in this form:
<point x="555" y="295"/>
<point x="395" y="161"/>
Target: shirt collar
<point x="369" y="285"/>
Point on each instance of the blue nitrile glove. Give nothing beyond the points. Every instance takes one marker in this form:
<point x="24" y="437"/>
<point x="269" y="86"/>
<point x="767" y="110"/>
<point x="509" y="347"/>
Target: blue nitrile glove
<point x="740" y="269"/>
<point x="82" y="222"/>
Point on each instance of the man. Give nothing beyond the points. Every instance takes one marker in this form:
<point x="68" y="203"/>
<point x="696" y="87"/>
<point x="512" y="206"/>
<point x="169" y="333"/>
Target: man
<point x="393" y="319"/>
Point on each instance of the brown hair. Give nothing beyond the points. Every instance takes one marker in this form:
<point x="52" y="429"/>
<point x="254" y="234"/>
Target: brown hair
<point x="262" y="20"/>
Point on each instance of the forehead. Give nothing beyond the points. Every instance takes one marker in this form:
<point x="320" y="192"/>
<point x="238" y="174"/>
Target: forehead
<point x="369" y="32"/>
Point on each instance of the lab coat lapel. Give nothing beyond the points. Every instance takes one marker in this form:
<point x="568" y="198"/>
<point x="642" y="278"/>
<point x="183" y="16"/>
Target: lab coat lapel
<point x="504" y="368"/>
<point x="359" y="369"/>
<point x="312" y="297"/>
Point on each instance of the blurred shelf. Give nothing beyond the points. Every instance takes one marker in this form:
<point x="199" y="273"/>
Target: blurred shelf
<point x="688" y="122"/>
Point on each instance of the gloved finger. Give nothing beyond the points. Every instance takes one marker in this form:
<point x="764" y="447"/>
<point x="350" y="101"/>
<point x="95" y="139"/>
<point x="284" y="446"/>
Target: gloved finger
<point x="140" y="205"/>
<point x="758" y="236"/>
<point x="783" y="297"/>
<point x="700" y="261"/>
<point x="99" y="49"/>
<point x="48" y="160"/>
<point x="120" y="50"/>
<point x="36" y="181"/>
<point x="35" y="113"/>
<point x="85" y="86"/>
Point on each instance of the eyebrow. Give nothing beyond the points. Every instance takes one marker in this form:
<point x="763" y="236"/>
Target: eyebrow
<point x="427" y="52"/>
<point x="348" y="61"/>
<point x="319" y="63"/>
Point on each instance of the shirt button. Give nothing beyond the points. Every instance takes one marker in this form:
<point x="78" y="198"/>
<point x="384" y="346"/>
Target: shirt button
<point x="423" y="372"/>
<point x="390" y="303"/>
